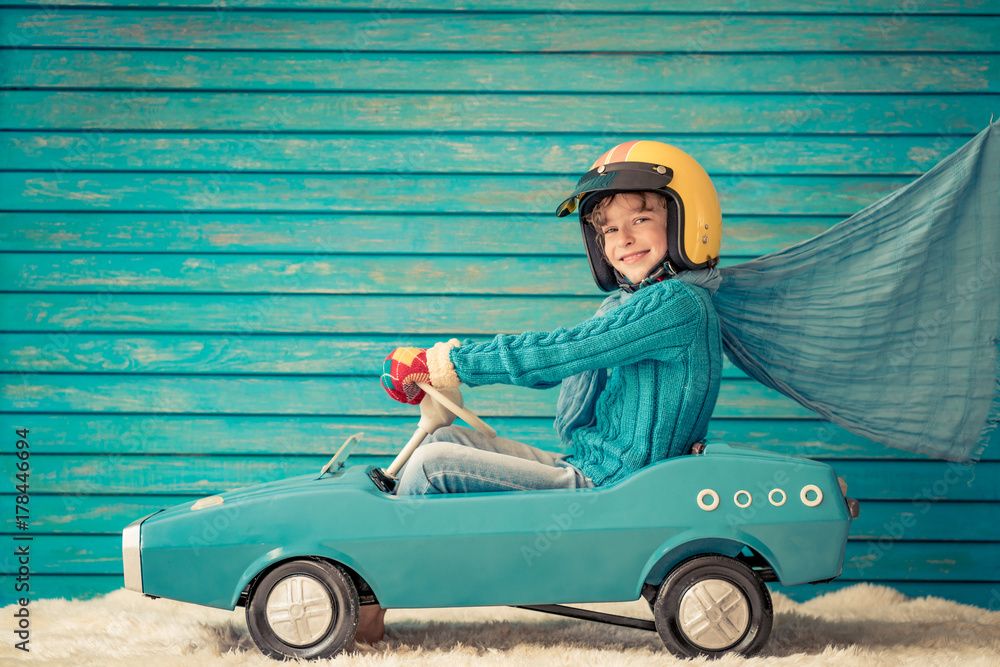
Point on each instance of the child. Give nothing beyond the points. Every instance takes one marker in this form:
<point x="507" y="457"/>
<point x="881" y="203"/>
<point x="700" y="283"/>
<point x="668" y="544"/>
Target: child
<point x="648" y="213"/>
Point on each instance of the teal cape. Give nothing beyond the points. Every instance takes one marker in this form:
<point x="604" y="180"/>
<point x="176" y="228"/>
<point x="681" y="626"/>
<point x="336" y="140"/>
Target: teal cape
<point x="887" y="323"/>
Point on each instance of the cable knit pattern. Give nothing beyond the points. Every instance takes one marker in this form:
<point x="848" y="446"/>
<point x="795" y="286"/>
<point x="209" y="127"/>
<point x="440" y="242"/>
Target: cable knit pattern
<point x="663" y="346"/>
<point x="442" y="371"/>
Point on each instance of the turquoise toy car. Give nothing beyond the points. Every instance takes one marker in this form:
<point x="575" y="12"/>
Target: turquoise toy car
<point x="697" y="536"/>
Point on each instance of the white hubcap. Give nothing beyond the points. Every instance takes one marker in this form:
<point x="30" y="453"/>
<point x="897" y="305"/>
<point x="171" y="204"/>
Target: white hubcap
<point x="714" y="614"/>
<point x="299" y="610"/>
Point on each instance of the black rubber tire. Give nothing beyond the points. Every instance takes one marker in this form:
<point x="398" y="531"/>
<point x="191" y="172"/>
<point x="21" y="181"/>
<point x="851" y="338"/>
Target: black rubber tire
<point x="666" y="610"/>
<point x="343" y="598"/>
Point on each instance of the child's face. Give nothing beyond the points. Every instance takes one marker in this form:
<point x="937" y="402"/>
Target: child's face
<point x="634" y="240"/>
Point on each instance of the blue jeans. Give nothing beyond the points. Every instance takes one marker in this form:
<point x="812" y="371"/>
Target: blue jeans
<point x="455" y="459"/>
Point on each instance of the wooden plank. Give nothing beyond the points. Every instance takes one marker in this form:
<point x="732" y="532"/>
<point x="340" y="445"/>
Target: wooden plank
<point x="168" y="475"/>
<point x="295" y="274"/>
<point x="459" y="193"/>
<point x="931" y="561"/>
<point x="212" y="355"/>
<point x="65" y="554"/>
<point x="241" y="435"/>
<point x="891" y="7"/>
<point x="319" y="233"/>
<point x="815" y="438"/>
<point x="501" y="32"/>
<point x="61" y="315"/>
<point x="323" y="395"/>
<point x="915" y="482"/>
<point x="911" y="561"/>
<point x="85" y="515"/>
<point x="471" y="72"/>
<point x="708" y="113"/>
<point x="897" y="13"/>
<point x="885" y="523"/>
<point x="978" y="594"/>
<point x="921" y="481"/>
<point x="246" y="355"/>
<point x="66" y="314"/>
<point x="67" y="587"/>
<point x="93" y="433"/>
<point x="880" y="523"/>
<point x="483" y="154"/>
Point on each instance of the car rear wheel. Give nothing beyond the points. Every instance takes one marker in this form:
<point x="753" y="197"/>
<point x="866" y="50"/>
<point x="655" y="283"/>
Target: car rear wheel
<point x="712" y="605"/>
<point x="303" y="609"/>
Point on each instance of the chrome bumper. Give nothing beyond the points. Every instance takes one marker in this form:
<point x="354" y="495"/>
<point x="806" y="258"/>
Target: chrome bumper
<point x="132" y="554"/>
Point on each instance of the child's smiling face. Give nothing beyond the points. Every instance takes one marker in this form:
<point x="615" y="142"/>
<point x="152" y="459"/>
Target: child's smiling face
<point x="635" y="240"/>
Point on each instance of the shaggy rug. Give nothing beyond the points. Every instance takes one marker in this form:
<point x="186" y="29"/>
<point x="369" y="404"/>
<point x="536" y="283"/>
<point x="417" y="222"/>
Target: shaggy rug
<point x="860" y="625"/>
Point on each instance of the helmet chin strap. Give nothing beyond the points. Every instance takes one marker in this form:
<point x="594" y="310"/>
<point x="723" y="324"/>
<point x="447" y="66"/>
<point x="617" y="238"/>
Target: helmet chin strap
<point x="665" y="270"/>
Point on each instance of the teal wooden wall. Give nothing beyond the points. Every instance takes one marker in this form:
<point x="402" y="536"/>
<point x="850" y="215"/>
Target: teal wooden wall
<point x="217" y="221"/>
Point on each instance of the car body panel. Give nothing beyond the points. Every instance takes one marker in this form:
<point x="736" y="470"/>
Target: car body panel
<point x="533" y="547"/>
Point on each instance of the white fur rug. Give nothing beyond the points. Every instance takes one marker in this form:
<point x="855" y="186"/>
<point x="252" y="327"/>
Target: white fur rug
<point x="861" y="625"/>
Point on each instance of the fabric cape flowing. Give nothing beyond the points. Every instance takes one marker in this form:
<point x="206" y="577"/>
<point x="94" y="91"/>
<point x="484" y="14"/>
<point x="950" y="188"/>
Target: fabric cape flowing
<point x="887" y="323"/>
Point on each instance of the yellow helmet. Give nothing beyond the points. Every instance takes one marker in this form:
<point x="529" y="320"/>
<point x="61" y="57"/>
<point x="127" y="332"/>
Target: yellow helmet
<point x="694" y="217"/>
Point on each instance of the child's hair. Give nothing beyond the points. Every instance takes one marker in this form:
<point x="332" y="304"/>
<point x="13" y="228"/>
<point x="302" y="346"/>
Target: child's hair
<point x="596" y="216"/>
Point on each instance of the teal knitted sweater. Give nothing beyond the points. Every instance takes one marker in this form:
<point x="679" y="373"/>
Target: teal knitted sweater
<point x="664" y="351"/>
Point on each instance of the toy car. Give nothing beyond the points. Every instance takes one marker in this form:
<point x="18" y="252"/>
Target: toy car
<point x="697" y="536"/>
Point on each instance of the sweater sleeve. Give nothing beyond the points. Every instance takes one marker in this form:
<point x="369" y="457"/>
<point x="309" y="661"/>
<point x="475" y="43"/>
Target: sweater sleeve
<point x="656" y="323"/>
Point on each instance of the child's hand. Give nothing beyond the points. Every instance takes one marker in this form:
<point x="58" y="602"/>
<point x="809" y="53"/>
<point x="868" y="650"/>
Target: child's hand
<point x="401" y="371"/>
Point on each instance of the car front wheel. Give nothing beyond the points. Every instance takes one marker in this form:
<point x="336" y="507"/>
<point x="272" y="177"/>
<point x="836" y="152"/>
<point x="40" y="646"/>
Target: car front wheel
<point x="711" y="605"/>
<point x="303" y="609"/>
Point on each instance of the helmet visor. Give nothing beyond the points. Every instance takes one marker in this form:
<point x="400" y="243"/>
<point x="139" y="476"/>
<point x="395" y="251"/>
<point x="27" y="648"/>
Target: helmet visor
<point x="620" y="177"/>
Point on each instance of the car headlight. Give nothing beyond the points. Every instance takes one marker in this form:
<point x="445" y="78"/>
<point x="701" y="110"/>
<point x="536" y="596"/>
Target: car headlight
<point x="132" y="554"/>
